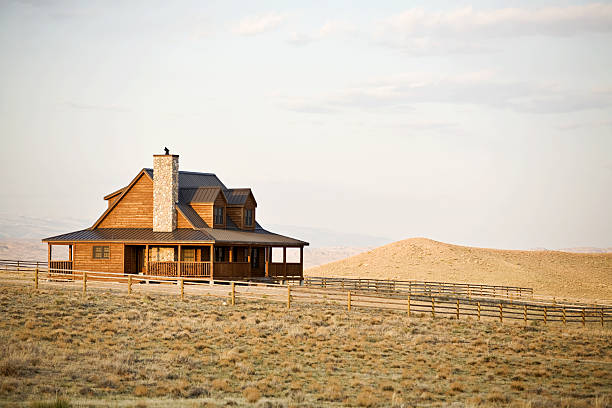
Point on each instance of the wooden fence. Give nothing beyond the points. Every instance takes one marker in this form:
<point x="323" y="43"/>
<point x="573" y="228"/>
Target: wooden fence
<point x="418" y="287"/>
<point x="434" y="305"/>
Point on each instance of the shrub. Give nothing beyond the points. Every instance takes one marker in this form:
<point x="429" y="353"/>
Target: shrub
<point x="58" y="403"/>
<point x="251" y="394"/>
<point x="140" y="391"/>
<point x="457" y="387"/>
<point x="366" y="399"/>
<point x="220" y="384"/>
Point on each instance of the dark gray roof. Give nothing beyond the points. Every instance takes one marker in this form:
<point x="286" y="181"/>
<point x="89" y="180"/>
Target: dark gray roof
<point x="198" y="195"/>
<point x="237" y="196"/>
<point x="134" y="235"/>
<point x="190" y="179"/>
<point x="146" y="235"/>
<point x="191" y="215"/>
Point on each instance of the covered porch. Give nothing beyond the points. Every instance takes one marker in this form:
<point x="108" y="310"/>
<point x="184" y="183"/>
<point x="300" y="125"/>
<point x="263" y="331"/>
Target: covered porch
<point x="221" y="261"/>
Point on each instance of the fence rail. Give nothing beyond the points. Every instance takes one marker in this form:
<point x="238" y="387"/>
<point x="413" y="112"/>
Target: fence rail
<point x="453" y="305"/>
<point x="418" y="287"/>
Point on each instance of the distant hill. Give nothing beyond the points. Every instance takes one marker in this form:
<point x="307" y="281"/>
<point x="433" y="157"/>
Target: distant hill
<point x="553" y="273"/>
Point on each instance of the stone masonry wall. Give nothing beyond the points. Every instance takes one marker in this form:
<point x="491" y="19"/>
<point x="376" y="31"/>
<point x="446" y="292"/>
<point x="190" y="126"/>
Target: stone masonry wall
<point x="165" y="192"/>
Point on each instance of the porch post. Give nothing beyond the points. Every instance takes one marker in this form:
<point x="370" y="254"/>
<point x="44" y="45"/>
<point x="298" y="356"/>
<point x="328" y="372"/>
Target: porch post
<point x="70" y="252"/>
<point x="146" y="259"/>
<point x="249" y="261"/>
<point x="267" y="251"/>
<point x="301" y="261"/>
<point x="49" y="257"/>
<point x="212" y="261"/>
<point x="179" y="260"/>
<point x="231" y="254"/>
<point x="285" y="261"/>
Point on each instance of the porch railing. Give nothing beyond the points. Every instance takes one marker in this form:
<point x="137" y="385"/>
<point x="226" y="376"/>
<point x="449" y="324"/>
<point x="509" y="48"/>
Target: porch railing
<point x="232" y="270"/>
<point x="294" y="270"/>
<point x="171" y="268"/>
<point x="61" y="267"/>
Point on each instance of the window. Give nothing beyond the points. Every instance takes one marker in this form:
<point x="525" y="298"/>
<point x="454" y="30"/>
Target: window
<point x="189" y="254"/>
<point x="101" y="252"/>
<point x="248" y="216"/>
<point x="255" y="257"/>
<point x="219" y="254"/>
<point x="218" y="215"/>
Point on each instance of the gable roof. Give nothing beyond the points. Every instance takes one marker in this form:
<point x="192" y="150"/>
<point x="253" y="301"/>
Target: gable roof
<point x="199" y="195"/>
<point x="123" y="193"/>
<point x="238" y="196"/>
<point x="191" y="179"/>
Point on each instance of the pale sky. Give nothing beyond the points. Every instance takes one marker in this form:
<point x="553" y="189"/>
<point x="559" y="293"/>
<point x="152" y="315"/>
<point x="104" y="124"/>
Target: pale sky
<point x="471" y="123"/>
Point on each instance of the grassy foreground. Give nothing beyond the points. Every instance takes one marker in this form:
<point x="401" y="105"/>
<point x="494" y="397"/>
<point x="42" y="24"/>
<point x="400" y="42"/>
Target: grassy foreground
<point x="145" y="351"/>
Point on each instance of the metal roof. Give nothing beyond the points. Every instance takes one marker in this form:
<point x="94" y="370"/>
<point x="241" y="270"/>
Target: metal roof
<point x="191" y="215"/>
<point x="237" y="196"/>
<point x="133" y="235"/>
<point x="146" y="235"/>
<point x="190" y="179"/>
<point x="198" y="195"/>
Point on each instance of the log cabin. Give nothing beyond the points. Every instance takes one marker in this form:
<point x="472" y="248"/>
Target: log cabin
<point x="167" y="222"/>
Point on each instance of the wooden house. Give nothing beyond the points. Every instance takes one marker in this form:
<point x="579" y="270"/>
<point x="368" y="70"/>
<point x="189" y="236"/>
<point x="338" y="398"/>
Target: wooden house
<point x="168" y="222"/>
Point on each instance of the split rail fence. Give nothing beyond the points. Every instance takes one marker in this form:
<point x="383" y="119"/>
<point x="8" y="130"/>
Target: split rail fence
<point x="434" y="304"/>
<point x="418" y="287"/>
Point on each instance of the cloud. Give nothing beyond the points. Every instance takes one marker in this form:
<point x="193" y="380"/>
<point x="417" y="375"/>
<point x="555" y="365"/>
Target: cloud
<point x="479" y="89"/>
<point x="328" y="29"/>
<point x="468" y="30"/>
<point x="254" y="25"/>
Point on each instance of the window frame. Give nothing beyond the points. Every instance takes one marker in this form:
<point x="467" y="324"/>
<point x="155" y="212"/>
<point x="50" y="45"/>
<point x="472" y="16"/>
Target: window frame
<point x="100" y="252"/>
<point x="248" y="217"/>
<point x="218" y="214"/>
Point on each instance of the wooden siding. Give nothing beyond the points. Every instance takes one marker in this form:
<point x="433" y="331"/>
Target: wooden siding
<point x="205" y="211"/>
<point x="181" y="221"/>
<point x="235" y="213"/>
<point x="135" y="210"/>
<point x="83" y="258"/>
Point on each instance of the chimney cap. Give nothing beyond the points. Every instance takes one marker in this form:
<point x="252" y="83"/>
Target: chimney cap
<point x="166" y="151"/>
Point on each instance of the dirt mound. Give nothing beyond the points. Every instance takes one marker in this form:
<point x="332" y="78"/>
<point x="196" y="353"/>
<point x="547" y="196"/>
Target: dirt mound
<point x="554" y="273"/>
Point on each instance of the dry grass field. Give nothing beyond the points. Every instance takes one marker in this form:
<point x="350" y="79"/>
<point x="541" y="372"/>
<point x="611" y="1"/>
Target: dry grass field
<point x="553" y="273"/>
<point x="110" y="349"/>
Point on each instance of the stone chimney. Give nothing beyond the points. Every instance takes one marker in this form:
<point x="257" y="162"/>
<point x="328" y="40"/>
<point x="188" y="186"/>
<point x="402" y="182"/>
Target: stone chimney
<point x="165" y="191"/>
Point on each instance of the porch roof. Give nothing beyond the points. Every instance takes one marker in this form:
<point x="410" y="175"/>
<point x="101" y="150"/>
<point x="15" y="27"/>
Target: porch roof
<point x="203" y="235"/>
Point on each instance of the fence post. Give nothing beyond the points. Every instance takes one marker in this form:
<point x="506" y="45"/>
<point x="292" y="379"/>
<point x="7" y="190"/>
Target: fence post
<point x="288" y="297"/>
<point x="17" y="266"/>
<point x="84" y="283"/>
<point x="233" y="294"/>
<point x="129" y="284"/>
<point x="408" y="305"/>
<point x="182" y="289"/>
<point x="583" y="318"/>
<point x="457" y="309"/>
<point x="545" y="315"/>
<point x="602" y="316"/>
<point x="433" y="308"/>
<point x="525" y="313"/>
<point x="478" y="311"/>
<point x="469" y="293"/>
<point x="36" y="278"/>
<point x="501" y="313"/>
<point x="564" y="319"/>
<point x="348" y="301"/>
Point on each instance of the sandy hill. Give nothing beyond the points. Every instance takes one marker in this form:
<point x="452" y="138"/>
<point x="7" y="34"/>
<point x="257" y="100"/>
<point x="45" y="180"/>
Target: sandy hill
<point x="554" y="273"/>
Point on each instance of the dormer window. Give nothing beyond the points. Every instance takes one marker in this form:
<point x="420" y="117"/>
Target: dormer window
<point x="248" y="217"/>
<point x="218" y="215"/>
